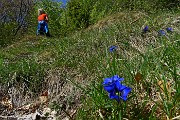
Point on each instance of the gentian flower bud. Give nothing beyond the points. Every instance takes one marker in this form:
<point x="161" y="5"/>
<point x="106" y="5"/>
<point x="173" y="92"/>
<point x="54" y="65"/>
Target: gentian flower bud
<point x="169" y="29"/>
<point x="113" y="48"/>
<point x="146" y="29"/>
<point x="162" y="32"/>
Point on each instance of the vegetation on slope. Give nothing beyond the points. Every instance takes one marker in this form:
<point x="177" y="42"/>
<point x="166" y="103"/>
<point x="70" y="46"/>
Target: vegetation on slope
<point x="148" y="62"/>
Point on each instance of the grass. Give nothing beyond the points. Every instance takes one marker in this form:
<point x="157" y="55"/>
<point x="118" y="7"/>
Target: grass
<point x="149" y="63"/>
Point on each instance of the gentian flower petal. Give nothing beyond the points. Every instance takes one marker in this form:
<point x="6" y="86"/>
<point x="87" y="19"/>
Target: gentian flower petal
<point x="120" y="87"/>
<point x="107" y="81"/>
<point x="108" y="84"/>
<point x="125" y="93"/>
<point x="113" y="95"/>
<point x="109" y="88"/>
<point x="117" y="78"/>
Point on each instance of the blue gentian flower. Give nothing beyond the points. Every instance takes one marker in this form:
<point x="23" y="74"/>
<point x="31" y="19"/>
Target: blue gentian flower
<point x="146" y="29"/>
<point x="169" y="29"/>
<point x="162" y="32"/>
<point x="115" y="89"/>
<point x="113" y="48"/>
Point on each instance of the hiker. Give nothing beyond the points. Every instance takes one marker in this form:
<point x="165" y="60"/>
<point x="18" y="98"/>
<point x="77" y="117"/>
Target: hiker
<point x="42" y="23"/>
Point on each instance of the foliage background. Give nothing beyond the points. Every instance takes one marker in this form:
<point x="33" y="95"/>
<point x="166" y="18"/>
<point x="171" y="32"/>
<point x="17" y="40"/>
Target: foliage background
<point x="19" y="17"/>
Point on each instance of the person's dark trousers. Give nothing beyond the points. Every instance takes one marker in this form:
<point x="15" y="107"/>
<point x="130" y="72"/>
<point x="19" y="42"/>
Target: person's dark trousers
<point x="42" y="28"/>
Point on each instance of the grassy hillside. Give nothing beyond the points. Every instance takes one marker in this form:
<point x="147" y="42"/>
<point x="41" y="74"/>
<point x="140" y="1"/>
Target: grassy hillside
<point x="72" y="68"/>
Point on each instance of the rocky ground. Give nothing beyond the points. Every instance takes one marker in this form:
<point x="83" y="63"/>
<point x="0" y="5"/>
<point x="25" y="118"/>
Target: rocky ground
<point x="59" y="100"/>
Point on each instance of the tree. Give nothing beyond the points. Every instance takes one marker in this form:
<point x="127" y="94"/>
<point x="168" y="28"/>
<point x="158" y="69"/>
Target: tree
<point x="78" y="12"/>
<point x="14" y="16"/>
